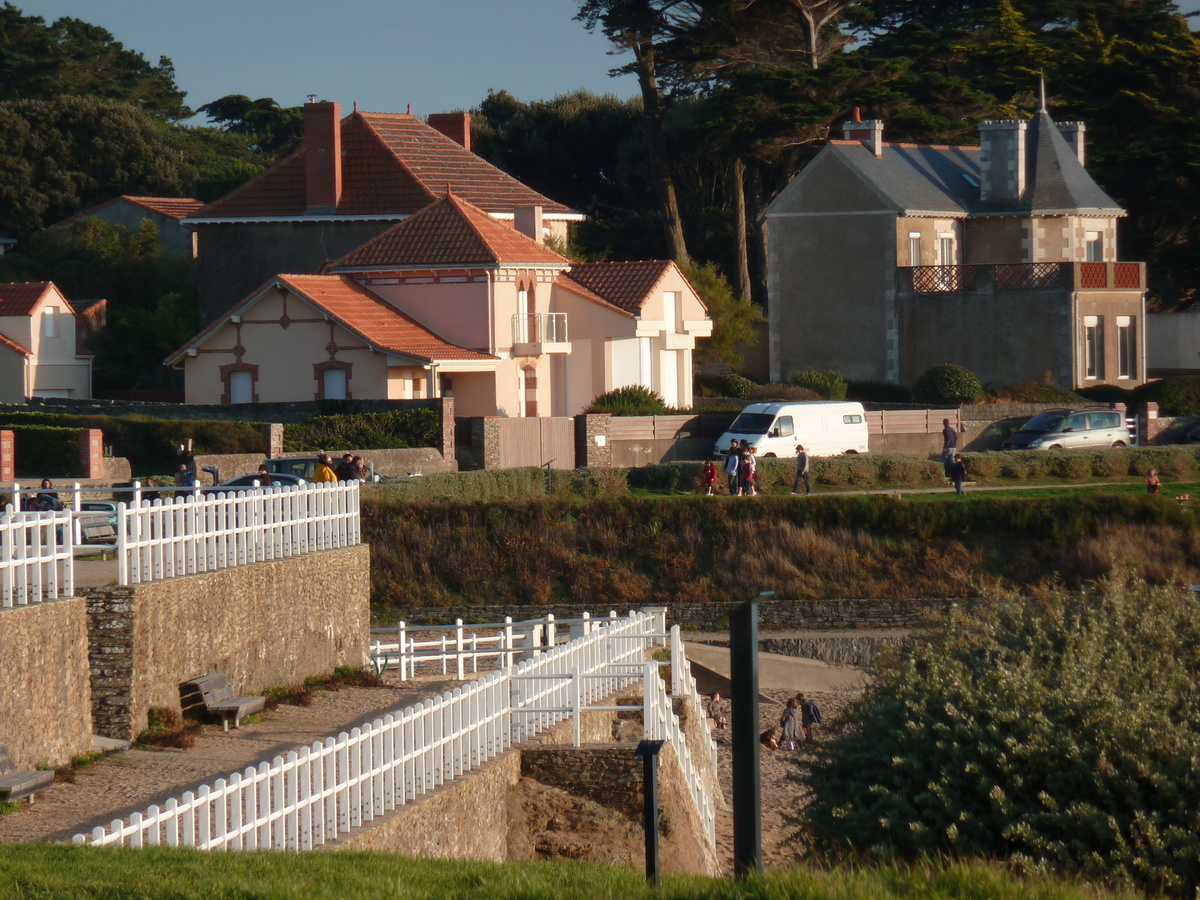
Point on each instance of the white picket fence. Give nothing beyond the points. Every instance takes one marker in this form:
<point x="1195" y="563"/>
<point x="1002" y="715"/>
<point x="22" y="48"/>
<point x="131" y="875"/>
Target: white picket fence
<point x="463" y="646"/>
<point x="35" y="557"/>
<point x="194" y="533"/>
<point x="309" y="797"/>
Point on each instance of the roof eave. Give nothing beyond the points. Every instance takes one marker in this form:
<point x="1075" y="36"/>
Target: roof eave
<point x="333" y="217"/>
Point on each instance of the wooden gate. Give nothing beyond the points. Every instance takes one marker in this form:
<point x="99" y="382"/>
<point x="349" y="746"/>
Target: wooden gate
<point x="534" y="442"/>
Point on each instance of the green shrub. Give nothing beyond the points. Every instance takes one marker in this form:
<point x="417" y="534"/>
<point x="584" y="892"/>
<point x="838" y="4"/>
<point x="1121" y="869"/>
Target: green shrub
<point x="1106" y="393"/>
<point x="1058" y="733"/>
<point x="631" y="400"/>
<point x="877" y="392"/>
<point x="46" y="451"/>
<point x="1179" y="395"/>
<point x="731" y="384"/>
<point x="830" y="385"/>
<point x="947" y="385"/>
<point x="367" y="431"/>
<point x="762" y="393"/>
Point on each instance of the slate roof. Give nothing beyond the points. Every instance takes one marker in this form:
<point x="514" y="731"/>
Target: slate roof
<point x="922" y="179"/>
<point x="393" y="164"/>
<point x="176" y="208"/>
<point x="360" y="312"/>
<point x="21" y="298"/>
<point x="449" y="232"/>
<point x="625" y="285"/>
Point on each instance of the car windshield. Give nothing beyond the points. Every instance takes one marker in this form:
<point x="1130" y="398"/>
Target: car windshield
<point x="1043" y="423"/>
<point x="752" y="423"/>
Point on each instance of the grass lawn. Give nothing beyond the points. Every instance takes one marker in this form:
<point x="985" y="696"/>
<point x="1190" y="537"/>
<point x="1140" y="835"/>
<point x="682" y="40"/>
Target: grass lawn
<point x="50" y="871"/>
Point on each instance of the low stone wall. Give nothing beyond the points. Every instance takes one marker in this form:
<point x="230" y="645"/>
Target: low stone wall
<point x="876" y="613"/>
<point x="45" y="695"/>
<point x="261" y="625"/>
<point x="841" y="651"/>
<point x="421" y="460"/>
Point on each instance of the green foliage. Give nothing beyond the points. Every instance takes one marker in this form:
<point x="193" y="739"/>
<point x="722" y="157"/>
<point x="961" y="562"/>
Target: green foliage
<point x="735" y="320"/>
<point x="877" y="392"/>
<point x="764" y="392"/>
<point x="731" y="384"/>
<point x="46" y="451"/>
<point x="366" y="431"/>
<point x="948" y="384"/>
<point x="273" y="130"/>
<point x="149" y="444"/>
<point x="165" y="728"/>
<point x="1178" y="395"/>
<point x="1059" y="732"/>
<point x="504" y="484"/>
<point x="631" y="400"/>
<point x="829" y="385"/>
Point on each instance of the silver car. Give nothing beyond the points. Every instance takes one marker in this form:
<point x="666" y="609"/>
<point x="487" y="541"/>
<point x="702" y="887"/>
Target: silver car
<point x="1072" y="429"/>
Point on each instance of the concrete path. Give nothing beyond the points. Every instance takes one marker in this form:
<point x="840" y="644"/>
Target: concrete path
<point x="710" y="665"/>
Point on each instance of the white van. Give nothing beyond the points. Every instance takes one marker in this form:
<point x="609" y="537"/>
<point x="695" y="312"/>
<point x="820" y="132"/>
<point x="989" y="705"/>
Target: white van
<point x="824" y="427"/>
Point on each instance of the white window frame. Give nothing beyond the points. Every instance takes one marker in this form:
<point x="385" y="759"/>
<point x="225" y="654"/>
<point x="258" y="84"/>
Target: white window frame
<point x="1126" y="348"/>
<point x="1093" y="347"/>
<point x="325" y="384"/>
<point x="1093" y="246"/>
<point x="50" y="322"/>
<point x="671" y="309"/>
<point x="914" y="248"/>
<point x="239" y="381"/>
<point x="523" y="317"/>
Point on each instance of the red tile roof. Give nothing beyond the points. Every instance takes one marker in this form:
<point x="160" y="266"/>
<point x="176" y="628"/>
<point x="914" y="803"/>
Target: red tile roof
<point x="173" y="207"/>
<point x="21" y="298"/>
<point x="449" y="232"/>
<point x="393" y="164"/>
<point x="13" y="345"/>
<point x="626" y="285"/>
<point x="359" y="311"/>
<point x="565" y="282"/>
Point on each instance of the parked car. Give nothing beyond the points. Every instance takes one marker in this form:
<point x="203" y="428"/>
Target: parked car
<point x="1071" y="429"/>
<point x="248" y="482"/>
<point x="294" y="466"/>
<point x="824" y="427"/>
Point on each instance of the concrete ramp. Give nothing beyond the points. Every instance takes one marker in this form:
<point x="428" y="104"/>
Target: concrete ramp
<point x="710" y="665"/>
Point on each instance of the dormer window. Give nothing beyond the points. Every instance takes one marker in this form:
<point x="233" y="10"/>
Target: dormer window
<point x="50" y="322"/>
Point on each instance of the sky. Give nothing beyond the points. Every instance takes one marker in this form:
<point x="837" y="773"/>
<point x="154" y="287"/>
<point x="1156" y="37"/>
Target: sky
<point x="438" y="55"/>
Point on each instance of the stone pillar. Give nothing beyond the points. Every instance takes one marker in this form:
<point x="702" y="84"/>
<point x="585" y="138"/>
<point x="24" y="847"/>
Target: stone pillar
<point x="8" y="459"/>
<point x="1148" y="424"/>
<point x="272" y="437"/>
<point x="91" y="452"/>
<point x="485" y="441"/>
<point x="447" y="447"/>
<point x="593" y="446"/>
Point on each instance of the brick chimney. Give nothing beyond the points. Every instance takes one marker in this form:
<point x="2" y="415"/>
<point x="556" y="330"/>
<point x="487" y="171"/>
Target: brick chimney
<point x="528" y="221"/>
<point x="1002" y="161"/>
<point x="322" y="156"/>
<point x="455" y="125"/>
<point x="1074" y="133"/>
<point x="869" y="133"/>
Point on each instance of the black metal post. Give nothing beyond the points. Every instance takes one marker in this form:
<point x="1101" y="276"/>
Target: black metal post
<point x="743" y="698"/>
<point x="648" y="751"/>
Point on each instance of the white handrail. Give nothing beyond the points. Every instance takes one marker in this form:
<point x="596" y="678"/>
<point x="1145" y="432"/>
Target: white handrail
<point x="36" y="557"/>
<point x="309" y="797"/>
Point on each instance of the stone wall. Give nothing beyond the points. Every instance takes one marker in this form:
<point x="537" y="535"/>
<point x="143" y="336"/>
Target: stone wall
<point x="45" y="695"/>
<point x="875" y="613"/>
<point x="840" y="650"/>
<point x="261" y="625"/>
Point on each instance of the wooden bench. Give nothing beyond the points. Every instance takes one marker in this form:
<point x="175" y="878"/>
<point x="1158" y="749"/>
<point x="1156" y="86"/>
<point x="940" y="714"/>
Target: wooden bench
<point x="96" y="529"/>
<point x="215" y="695"/>
<point x="14" y="785"/>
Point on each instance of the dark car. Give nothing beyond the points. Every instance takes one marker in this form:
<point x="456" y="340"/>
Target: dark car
<point x="250" y="482"/>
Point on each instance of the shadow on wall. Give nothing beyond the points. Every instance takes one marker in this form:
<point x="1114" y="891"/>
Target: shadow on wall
<point x="993" y="436"/>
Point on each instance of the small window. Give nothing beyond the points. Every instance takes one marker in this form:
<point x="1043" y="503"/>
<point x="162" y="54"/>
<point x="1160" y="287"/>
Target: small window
<point x="670" y="305"/>
<point x="1094" y="246"/>
<point x="241" y="387"/>
<point x="1126" y="348"/>
<point x="1093" y="343"/>
<point x="334" y="384"/>
<point x="784" y="426"/>
<point x="852" y="419"/>
<point x="914" y="248"/>
<point x="945" y="249"/>
<point x="50" y="322"/>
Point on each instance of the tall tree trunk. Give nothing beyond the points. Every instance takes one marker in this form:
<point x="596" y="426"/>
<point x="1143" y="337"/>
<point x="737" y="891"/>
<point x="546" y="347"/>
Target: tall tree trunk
<point x="737" y="179"/>
<point x="664" y="186"/>
<point x="755" y="189"/>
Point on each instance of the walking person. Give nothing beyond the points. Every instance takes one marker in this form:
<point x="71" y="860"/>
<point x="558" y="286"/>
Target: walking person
<point x="958" y="473"/>
<point x="710" y="477"/>
<point x="747" y="471"/>
<point x="733" y="469"/>
<point x="802" y="471"/>
<point x="791" y="728"/>
<point x="714" y="708"/>
<point x="810" y="715"/>
<point x="949" y="445"/>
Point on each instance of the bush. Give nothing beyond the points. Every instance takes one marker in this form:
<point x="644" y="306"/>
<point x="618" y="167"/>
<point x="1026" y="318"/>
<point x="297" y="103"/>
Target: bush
<point x="731" y="384"/>
<point x="1179" y="395"/>
<point x="762" y="393"/>
<point x="367" y="431"/>
<point x="1006" y="738"/>
<point x="164" y="728"/>
<point x="830" y="385"/>
<point x="947" y="385"/>
<point x="631" y="400"/>
<point x="46" y="451"/>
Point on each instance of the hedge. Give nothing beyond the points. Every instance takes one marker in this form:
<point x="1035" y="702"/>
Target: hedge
<point x="46" y="451"/>
<point x="367" y="431"/>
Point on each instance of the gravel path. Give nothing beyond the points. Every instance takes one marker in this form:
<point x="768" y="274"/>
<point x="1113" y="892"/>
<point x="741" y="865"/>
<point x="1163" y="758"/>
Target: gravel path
<point x="129" y="781"/>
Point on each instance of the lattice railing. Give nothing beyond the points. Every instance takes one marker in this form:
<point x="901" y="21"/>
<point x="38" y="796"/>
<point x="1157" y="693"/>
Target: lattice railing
<point x="1030" y="276"/>
<point x="943" y="279"/>
<point x="1093" y="275"/>
<point x="1128" y="275"/>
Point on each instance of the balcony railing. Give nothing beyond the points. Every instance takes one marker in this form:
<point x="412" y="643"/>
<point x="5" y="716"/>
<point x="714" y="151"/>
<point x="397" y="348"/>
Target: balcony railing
<point x="1044" y="276"/>
<point x="539" y="329"/>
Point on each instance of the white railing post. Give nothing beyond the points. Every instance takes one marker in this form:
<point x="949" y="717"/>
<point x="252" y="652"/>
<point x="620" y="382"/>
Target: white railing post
<point x="458" y="647"/>
<point x="576" y="703"/>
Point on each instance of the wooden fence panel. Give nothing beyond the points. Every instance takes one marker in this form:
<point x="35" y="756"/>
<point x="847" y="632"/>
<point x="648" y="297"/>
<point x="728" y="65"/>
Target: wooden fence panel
<point x="536" y="441"/>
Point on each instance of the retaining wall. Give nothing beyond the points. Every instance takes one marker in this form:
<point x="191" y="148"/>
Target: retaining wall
<point x="261" y="625"/>
<point x="45" y="694"/>
<point x="840" y="650"/>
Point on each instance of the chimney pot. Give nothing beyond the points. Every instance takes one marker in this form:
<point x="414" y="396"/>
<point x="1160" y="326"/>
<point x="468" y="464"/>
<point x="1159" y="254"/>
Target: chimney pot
<point x="456" y="126"/>
<point x="1002" y="161"/>
<point x="869" y="133"/>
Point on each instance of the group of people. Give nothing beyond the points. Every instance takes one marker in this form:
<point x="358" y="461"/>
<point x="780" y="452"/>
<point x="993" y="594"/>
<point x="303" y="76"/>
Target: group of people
<point x="795" y="725"/>
<point x="741" y="468"/>
<point x="351" y="468"/>
<point x="952" y="461"/>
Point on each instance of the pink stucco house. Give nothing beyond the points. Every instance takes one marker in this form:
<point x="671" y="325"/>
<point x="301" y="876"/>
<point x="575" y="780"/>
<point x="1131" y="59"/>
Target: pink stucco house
<point x="39" y="354"/>
<point x="453" y="302"/>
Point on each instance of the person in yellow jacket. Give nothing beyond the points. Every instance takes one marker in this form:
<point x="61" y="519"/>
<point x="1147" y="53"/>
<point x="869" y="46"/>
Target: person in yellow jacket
<point x="324" y="472"/>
